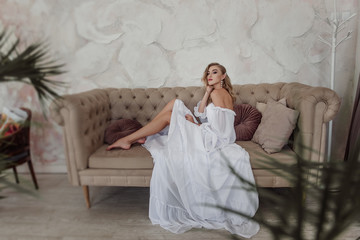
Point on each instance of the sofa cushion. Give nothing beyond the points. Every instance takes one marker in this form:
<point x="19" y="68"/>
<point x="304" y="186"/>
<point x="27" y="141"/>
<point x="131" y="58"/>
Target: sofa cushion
<point x="247" y="120"/>
<point x="262" y="106"/>
<point x="120" y="128"/>
<point x="277" y="124"/>
<point x="137" y="157"/>
<point x="260" y="159"/>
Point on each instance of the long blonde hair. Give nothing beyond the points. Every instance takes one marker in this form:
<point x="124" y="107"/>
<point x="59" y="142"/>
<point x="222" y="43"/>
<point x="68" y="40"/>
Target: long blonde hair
<point x="226" y="84"/>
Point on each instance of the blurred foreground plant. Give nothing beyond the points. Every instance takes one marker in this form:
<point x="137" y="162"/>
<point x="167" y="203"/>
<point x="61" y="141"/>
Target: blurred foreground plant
<point x="334" y="196"/>
<point x="32" y="66"/>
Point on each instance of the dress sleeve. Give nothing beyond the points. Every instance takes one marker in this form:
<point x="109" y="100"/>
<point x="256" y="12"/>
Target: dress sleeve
<point x="223" y="124"/>
<point x="201" y="116"/>
<point x="219" y="131"/>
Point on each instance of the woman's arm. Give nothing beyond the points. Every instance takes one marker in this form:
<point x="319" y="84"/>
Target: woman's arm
<point x="205" y="98"/>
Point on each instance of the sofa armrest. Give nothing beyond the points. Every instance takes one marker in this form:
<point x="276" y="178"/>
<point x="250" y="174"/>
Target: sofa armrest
<point x="84" y="117"/>
<point x="317" y="106"/>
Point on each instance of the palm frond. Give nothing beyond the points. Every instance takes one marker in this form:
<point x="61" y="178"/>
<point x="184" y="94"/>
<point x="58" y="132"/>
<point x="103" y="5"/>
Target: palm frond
<point x="32" y="66"/>
<point x="336" y="196"/>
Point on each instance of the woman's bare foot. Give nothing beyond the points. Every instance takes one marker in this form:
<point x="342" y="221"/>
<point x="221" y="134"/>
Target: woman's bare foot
<point x="121" y="143"/>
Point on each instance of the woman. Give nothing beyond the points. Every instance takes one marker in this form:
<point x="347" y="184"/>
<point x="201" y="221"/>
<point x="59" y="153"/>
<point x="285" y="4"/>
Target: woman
<point x="191" y="174"/>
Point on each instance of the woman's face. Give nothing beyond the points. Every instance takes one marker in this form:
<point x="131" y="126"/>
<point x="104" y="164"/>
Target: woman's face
<point x="214" y="76"/>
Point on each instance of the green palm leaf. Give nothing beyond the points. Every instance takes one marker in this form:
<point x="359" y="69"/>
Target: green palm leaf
<point x="32" y="66"/>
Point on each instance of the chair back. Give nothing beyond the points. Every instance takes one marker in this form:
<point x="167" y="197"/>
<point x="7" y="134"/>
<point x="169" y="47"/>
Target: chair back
<point x="19" y="140"/>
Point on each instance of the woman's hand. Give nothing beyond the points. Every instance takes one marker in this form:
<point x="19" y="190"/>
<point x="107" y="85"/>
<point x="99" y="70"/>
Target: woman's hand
<point x="204" y="100"/>
<point x="190" y="119"/>
<point x="209" y="89"/>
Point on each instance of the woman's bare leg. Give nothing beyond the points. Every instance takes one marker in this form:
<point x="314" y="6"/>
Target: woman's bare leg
<point x="168" y="108"/>
<point x="156" y="125"/>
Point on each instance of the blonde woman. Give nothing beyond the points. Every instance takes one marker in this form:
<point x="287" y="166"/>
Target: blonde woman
<point x="191" y="160"/>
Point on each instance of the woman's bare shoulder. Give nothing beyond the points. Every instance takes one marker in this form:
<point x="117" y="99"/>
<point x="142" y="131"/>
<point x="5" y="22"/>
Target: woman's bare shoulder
<point x="220" y="98"/>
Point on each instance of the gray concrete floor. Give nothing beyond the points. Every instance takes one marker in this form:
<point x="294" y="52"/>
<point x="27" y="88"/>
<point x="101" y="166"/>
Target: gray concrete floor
<point x="59" y="212"/>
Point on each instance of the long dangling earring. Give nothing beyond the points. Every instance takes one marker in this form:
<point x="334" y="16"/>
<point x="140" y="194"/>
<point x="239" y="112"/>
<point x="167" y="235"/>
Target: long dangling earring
<point x="222" y="83"/>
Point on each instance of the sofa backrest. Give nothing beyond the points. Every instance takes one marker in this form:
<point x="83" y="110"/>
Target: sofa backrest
<point x="142" y="104"/>
<point x="253" y="93"/>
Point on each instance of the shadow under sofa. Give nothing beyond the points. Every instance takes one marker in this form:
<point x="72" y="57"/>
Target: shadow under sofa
<point x="85" y="116"/>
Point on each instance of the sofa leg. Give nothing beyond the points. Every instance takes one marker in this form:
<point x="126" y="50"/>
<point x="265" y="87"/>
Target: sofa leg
<point x="86" y="195"/>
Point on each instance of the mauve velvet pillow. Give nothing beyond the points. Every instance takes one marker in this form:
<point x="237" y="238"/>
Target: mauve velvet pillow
<point x="247" y="120"/>
<point x="120" y="128"/>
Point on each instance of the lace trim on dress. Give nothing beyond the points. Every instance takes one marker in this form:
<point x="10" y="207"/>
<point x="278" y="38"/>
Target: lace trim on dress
<point x="222" y="109"/>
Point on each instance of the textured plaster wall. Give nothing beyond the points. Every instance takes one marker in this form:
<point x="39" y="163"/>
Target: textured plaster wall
<point x="158" y="43"/>
<point x="357" y="61"/>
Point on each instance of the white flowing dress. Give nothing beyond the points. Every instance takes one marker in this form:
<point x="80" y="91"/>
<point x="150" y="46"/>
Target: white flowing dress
<point x="191" y="173"/>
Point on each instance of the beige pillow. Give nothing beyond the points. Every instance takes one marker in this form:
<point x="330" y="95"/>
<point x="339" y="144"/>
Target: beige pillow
<point x="262" y="106"/>
<point x="277" y="124"/>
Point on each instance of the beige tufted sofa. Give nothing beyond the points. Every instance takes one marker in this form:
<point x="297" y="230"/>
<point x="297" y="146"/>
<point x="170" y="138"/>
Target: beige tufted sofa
<point x="84" y="117"/>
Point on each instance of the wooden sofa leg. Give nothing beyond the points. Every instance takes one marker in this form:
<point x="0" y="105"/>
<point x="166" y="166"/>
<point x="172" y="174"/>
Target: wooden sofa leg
<point x="86" y="195"/>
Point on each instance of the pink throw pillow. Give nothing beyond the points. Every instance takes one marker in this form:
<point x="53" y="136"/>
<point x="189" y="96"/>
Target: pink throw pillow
<point x="277" y="124"/>
<point x="120" y="128"/>
<point x="247" y="120"/>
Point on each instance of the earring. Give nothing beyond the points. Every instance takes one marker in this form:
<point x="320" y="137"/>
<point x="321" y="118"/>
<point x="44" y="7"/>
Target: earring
<point x="222" y="83"/>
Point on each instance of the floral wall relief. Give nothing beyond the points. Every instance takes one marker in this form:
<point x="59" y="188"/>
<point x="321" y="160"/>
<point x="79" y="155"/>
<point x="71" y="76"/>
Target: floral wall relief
<point x="166" y="43"/>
